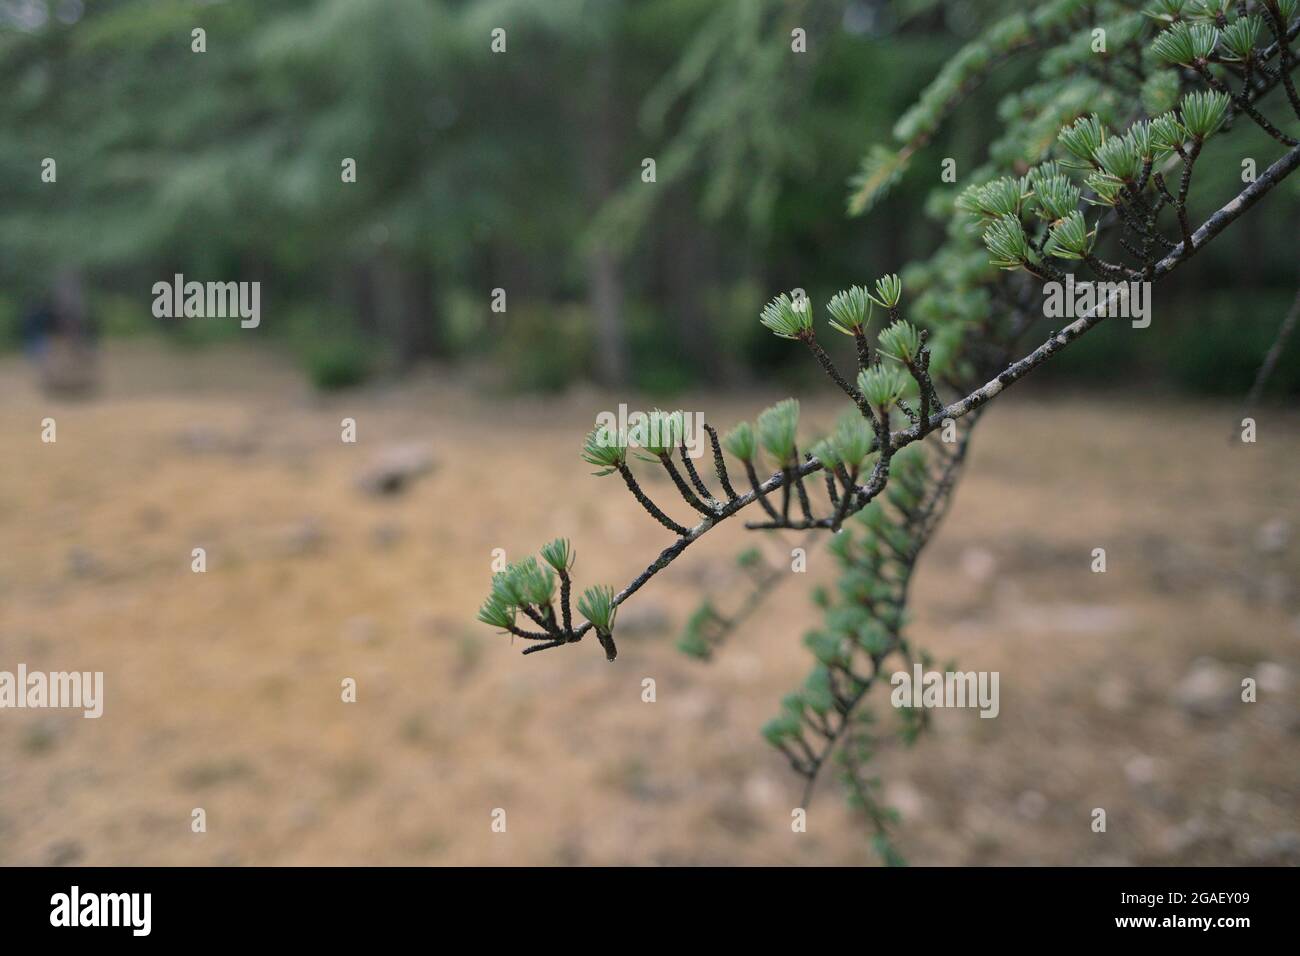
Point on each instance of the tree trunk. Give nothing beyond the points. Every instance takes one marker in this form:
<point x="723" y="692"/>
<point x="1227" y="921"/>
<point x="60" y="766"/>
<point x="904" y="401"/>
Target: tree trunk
<point x="604" y="271"/>
<point x="395" y="305"/>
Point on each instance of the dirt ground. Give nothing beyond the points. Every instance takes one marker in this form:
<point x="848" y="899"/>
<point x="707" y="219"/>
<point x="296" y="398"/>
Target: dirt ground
<point x="223" y="689"/>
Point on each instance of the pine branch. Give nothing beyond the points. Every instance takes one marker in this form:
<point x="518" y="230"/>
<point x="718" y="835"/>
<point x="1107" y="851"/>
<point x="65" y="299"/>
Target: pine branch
<point x="529" y="635"/>
<point x="842" y="511"/>
<point x="1189" y="161"/>
<point x="1286" y="58"/>
<point x="545" y="647"/>
<point x="682" y="488"/>
<point x="1214" y="225"/>
<point x="974" y="400"/>
<point x="566" y="585"/>
<point x="653" y="509"/>
<point x="758" y="491"/>
<point x="1243" y="103"/>
<point x="863" y="349"/>
<point x="694" y="475"/>
<point x="548" y="626"/>
<point x="804" y="505"/>
<point x="720" y="464"/>
<point x="833" y="373"/>
<point x="922" y="524"/>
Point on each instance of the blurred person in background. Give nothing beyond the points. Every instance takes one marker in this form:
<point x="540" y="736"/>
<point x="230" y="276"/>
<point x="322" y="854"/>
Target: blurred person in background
<point x="60" y="338"/>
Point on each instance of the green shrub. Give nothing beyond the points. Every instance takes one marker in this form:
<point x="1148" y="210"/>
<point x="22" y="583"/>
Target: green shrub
<point x="338" y="363"/>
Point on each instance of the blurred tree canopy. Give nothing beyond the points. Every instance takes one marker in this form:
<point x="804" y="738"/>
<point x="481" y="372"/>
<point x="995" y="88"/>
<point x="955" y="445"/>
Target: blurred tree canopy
<point x="477" y="170"/>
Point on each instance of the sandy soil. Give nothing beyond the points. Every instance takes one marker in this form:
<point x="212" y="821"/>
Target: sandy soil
<point x="223" y="688"/>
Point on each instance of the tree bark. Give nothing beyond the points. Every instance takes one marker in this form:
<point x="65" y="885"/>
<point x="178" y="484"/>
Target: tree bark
<point x="604" y="271"/>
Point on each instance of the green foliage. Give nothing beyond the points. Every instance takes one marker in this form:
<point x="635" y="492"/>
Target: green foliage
<point x="889" y="290"/>
<point x="1185" y="43"/>
<point x="659" y="433"/>
<point x="817" y="695"/>
<point x="1006" y="240"/>
<point x="1070" y="238"/>
<point x="886" y="850"/>
<point x="1055" y="195"/>
<point x="1026" y="198"/>
<point x="883" y="385"/>
<point x="1120" y="157"/>
<point x="850" y="310"/>
<point x="1073" y="130"/>
<point x="1203" y="112"/>
<point x="746" y="131"/>
<point x="1106" y="187"/>
<point x="828" y="648"/>
<point x="788" y="319"/>
<point x="606" y="449"/>
<point x="547" y="346"/>
<point x="1001" y="197"/>
<point x="1212" y="9"/>
<point x="1139" y="134"/>
<point x="852" y="439"/>
<point x="597" y="606"/>
<point x="781" y="728"/>
<point x="337" y="363"/>
<point x="1084" y="138"/>
<point x="826" y="453"/>
<point x="534" y="583"/>
<point x="521" y="583"/>
<point x="694" y="641"/>
<point x="1167" y="133"/>
<point x="861" y="625"/>
<point x="901" y="341"/>
<point x="881" y="169"/>
<point x="777" y="427"/>
<point x="497" y="613"/>
<point x="1160" y="92"/>
<point x="1240" y="36"/>
<point x="740" y="441"/>
<point x="558" y="554"/>
<point x="1167" y="10"/>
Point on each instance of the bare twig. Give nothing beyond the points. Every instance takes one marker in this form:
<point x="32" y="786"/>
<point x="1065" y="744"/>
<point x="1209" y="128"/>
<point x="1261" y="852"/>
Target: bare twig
<point x="1274" y="354"/>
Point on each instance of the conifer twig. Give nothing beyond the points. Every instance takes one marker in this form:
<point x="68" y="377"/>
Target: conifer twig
<point x="1014" y="372"/>
<point x="566" y="585"/>
<point x="692" y="473"/>
<point x="720" y="464"/>
<point x="682" y="488"/>
<point x="1273" y="355"/>
<point x="653" y="509"/>
<point x="887" y="443"/>
<point x="759" y="492"/>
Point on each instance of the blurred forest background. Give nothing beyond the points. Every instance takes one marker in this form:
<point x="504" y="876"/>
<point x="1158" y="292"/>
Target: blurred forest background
<point x="522" y="171"/>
